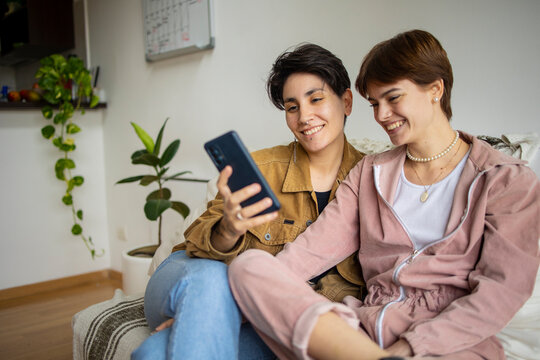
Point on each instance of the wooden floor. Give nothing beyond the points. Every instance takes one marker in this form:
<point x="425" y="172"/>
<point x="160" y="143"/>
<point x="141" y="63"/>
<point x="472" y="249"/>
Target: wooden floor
<point x="39" y="326"/>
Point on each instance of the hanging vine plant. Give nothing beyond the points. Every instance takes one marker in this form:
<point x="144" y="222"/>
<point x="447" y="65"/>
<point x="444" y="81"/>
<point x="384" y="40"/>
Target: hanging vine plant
<point x="65" y="83"/>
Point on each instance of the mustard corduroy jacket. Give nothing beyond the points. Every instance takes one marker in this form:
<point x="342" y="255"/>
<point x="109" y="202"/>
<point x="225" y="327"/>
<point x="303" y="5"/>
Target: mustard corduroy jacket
<point x="289" y="177"/>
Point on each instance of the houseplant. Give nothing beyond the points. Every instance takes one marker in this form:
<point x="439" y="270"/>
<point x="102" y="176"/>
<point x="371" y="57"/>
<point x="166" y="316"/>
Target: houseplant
<point x="135" y="262"/>
<point x="158" y="200"/>
<point x="64" y="83"/>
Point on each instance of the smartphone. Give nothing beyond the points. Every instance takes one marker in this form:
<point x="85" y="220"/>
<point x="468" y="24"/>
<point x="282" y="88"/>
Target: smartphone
<point x="228" y="149"/>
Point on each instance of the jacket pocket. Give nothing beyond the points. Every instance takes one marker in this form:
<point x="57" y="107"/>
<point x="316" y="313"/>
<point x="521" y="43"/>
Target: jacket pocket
<point x="277" y="232"/>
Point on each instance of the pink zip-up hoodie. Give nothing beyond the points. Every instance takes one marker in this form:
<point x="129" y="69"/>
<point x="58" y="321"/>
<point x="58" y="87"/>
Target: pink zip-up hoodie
<point x="450" y="297"/>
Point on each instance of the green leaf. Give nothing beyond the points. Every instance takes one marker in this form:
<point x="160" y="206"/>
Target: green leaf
<point x="80" y="214"/>
<point x="94" y="101"/>
<point x="181" y="208"/>
<point x="76" y="229"/>
<point x="51" y="98"/>
<point x="61" y="165"/>
<point x="70" y="186"/>
<point x="169" y="153"/>
<point x="146" y="159"/>
<point x="148" y="179"/>
<point x="130" y="179"/>
<point x="72" y="128"/>
<point x="67" y="199"/>
<point x="57" y="141"/>
<point x="67" y="147"/>
<point x="47" y="112"/>
<point x="60" y="118"/>
<point x="138" y="153"/>
<point x="155" y="207"/>
<point x="78" y="180"/>
<point x="163" y="193"/>
<point x="67" y="108"/>
<point x="145" y="138"/>
<point x="175" y="176"/>
<point x="48" y="131"/>
<point x="162" y="171"/>
<point x="158" y="139"/>
<point x="70" y="164"/>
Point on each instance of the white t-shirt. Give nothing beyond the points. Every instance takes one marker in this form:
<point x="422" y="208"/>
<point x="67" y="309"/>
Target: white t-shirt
<point x="426" y="221"/>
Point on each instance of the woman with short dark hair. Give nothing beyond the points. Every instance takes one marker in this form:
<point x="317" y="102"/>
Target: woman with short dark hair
<point x="190" y="296"/>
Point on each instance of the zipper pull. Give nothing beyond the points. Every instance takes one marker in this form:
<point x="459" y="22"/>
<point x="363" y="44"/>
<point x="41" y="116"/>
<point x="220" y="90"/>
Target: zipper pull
<point x="411" y="257"/>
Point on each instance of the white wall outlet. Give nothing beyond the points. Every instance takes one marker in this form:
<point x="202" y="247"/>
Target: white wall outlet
<point x="121" y="233"/>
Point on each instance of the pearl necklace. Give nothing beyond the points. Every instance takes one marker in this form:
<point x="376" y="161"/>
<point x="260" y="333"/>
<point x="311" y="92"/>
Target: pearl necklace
<point x="425" y="194"/>
<point x="434" y="157"/>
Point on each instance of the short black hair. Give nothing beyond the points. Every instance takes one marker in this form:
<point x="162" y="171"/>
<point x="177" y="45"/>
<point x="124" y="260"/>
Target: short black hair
<point x="306" y="58"/>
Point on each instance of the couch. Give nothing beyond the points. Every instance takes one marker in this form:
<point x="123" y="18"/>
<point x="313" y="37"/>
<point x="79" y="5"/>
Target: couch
<point x="114" y="328"/>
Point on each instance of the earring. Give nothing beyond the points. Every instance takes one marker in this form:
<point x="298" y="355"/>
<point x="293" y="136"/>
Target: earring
<point x="436" y="99"/>
<point x="294" y="150"/>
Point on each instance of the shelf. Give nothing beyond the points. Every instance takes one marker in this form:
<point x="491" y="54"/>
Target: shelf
<point x="37" y="105"/>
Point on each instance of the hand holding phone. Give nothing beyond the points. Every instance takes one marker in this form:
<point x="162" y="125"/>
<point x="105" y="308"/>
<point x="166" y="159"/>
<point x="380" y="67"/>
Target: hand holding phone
<point x="248" y="200"/>
<point x="228" y="149"/>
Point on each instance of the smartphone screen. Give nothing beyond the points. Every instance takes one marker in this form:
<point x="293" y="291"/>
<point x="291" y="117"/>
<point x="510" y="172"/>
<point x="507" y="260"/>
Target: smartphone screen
<point x="228" y="149"/>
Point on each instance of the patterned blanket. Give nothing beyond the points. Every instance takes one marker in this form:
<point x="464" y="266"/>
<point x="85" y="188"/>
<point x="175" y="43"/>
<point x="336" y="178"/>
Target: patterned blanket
<point x="111" y="329"/>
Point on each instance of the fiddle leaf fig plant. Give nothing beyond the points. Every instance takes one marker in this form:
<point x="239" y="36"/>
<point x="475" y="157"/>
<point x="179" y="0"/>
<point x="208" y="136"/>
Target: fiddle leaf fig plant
<point x="59" y="78"/>
<point x="158" y="200"/>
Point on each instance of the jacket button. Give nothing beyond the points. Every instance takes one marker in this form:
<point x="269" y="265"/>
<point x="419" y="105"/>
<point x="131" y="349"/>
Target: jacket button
<point x="267" y="236"/>
<point x="309" y="222"/>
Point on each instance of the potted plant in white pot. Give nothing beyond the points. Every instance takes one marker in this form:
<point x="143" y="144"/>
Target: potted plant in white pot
<point x="135" y="262"/>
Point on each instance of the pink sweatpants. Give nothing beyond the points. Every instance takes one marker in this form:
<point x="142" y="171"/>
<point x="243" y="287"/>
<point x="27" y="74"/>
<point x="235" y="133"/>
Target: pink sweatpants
<point x="282" y="307"/>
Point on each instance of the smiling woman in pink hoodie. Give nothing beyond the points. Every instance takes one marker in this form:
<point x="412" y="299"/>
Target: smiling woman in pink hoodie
<point x="446" y="230"/>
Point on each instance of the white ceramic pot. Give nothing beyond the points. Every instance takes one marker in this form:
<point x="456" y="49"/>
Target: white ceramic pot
<point x="135" y="272"/>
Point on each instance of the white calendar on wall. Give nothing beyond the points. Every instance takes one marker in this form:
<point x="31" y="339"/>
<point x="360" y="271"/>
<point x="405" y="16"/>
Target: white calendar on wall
<point x="177" y="27"/>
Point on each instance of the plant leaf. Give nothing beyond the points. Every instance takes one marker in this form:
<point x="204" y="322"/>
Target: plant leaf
<point x="163" y="193"/>
<point x="148" y="179"/>
<point x="138" y="153"/>
<point x="48" y="131"/>
<point x="70" y="186"/>
<point x="145" y="138"/>
<point x="57" y="141"/>
<point x="78" y="180"/>
<point x="94" y="101"/>
<point x="162" y="172"/>
<point x="181" y="208"/>
<point x="61" y="165"/>
<point x="76" y="229"/>
<point x="175" y="176"/>
<point x="169" y="152"/>
<point x="155" y="207"/>
<point x="67" y="199"/>
<point x="72" y="128"/>
<point x="146" y="159"/>
<point x="158" y="139"/>
<point x="47" y="112"/>
<point x="60" y="118"/>
<point x="130" y="179"/>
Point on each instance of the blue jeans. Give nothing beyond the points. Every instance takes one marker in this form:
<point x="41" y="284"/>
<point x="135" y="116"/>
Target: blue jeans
<point x="207" y="321"/>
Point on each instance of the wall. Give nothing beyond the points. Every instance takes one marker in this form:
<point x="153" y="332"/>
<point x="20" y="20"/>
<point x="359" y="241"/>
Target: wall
<point x="492" y="44"/>
<point x="35" y="238"/>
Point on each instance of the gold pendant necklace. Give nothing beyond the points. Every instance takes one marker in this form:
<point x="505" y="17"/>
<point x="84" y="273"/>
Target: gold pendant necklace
<point x="425" y="194"/>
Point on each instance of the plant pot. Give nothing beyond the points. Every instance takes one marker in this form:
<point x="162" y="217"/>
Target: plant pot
<point x="135" y="265"/>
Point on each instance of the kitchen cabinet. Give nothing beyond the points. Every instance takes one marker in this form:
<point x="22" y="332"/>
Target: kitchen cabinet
<point x="37" y="29"/>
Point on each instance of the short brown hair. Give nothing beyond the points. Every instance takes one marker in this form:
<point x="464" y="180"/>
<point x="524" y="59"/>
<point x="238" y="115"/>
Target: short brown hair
<point x="415" y="55"/>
